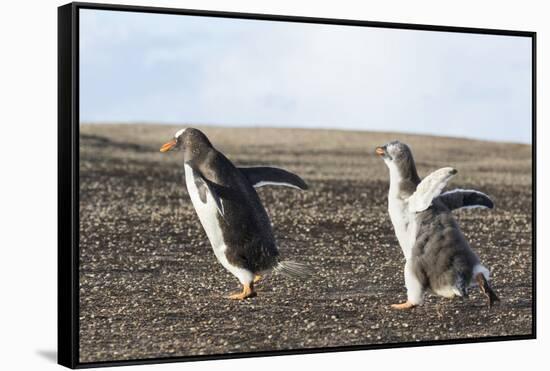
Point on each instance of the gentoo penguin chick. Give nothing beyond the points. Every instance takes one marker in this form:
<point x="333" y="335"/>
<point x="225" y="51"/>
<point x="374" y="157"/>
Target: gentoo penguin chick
<point x="230" y="210"/>
<point x="437" y="255"/>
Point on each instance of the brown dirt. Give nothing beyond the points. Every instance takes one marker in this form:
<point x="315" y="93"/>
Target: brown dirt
<point x="150" y="285"/>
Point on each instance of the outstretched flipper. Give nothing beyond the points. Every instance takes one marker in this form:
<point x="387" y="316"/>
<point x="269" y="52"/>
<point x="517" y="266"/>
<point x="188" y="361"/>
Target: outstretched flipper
<point x="429" y="188"/>
<point x="204" y="186"/>
<point x="260" y="176"/>
<point x="466" y="198"/>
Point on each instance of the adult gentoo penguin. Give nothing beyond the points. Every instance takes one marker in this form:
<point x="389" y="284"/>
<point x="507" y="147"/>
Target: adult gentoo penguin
<point x="437" y="255"/>
<point x="230" y="210"/>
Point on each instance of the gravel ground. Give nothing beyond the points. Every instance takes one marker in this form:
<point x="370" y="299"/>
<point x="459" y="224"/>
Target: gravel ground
<point x="150" y="285"/>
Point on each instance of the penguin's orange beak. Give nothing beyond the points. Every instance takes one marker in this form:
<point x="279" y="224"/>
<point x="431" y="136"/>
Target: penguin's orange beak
<point x="168" y="146"/>
<point x="380" y="151"/>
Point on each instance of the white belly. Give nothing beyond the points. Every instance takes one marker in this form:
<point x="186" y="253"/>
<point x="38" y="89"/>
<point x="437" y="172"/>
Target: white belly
<point x="208" y="216"/>
<point x="207" y="212"/>
<point x="404" y="224"/>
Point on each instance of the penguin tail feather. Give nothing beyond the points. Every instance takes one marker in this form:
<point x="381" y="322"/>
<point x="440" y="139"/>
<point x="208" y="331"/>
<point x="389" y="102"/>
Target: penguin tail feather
<point x="461" y="287"/>
<point x="293" y="269"/>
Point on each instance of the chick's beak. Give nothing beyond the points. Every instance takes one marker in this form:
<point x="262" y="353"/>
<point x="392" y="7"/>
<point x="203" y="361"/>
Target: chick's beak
<point x="380" y="151"/>
<point x="168" y="146"/>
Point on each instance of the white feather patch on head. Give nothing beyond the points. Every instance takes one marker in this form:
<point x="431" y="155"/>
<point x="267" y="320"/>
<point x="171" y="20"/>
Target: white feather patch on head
<point x="391" y="145"/>
<point x="179" y="132"/>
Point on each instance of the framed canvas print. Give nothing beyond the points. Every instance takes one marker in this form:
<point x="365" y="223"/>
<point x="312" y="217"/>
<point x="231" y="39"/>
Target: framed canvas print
<point x="236" y="185"/>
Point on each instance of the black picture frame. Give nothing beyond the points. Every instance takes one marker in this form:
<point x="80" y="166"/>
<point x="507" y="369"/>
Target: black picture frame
<point x="68" y="178"/>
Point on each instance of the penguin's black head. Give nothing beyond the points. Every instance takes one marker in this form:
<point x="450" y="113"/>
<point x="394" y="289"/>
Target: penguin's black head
<point x="398" y="156"/>
<point x="193" y="142"/>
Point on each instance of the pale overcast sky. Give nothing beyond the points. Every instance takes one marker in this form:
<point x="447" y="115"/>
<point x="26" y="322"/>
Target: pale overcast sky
<point x="157" y="68"/>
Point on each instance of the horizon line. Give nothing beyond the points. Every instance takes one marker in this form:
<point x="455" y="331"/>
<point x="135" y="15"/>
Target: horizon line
<point x="284" y="126"/>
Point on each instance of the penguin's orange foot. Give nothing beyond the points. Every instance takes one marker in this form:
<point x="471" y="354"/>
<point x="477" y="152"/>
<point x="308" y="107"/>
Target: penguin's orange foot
<point x="242" y="295"/>
<point x="257" y="278"/>
<point x="248" y="292"/>
<point x="402" y="306"/>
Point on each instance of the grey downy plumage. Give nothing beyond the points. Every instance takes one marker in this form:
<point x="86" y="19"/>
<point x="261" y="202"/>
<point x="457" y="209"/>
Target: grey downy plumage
<point x="438" y="256"/>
